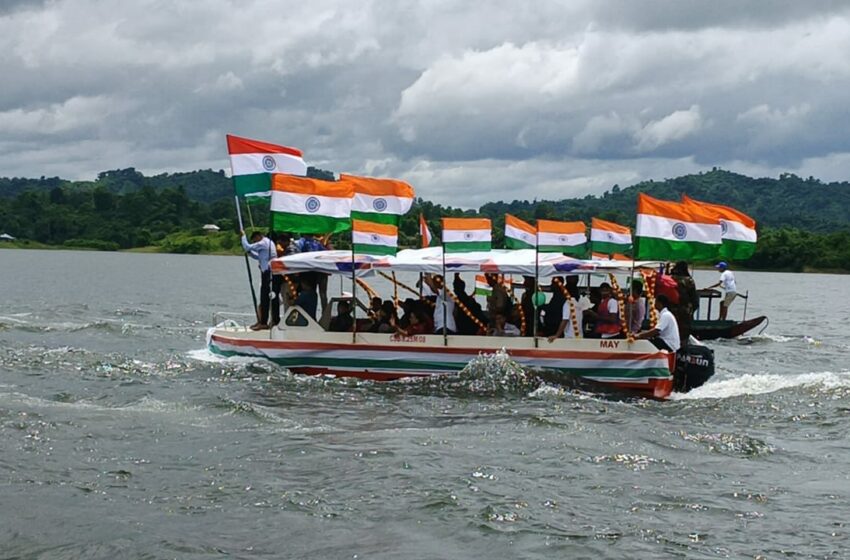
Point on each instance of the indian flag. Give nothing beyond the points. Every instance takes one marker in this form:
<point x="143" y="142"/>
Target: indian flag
<point x="252" y="164"/>
<point x="482" y="288"/>
<point x="569" y="238"/>
<point x="424" y="233"/>
<point x="466" y="234"/>
<point x="673" y="231"/>
<point x="373" y="238"/>
<point x="518" y="234"/>
<point x="737" y="230"/>
<point x="382" y="201"/>
<point x="610" y="239"/>
<point x="303" y="205"/>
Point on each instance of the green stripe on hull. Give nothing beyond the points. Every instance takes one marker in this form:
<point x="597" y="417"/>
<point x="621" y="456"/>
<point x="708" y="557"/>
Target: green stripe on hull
<point x="410" y="366"/>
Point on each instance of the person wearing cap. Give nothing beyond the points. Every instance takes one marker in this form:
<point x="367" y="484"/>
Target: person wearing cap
<point x="727" y="283"/>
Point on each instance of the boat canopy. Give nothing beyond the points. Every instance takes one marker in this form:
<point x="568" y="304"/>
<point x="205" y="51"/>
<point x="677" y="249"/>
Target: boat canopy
<point x="430" y="260"/>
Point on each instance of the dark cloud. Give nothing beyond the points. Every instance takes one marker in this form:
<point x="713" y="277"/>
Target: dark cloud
<point x="468" y="102"/>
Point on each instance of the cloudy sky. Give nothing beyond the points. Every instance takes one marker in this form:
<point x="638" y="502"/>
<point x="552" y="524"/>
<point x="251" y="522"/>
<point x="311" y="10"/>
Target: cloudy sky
<point x="468" y="101"/>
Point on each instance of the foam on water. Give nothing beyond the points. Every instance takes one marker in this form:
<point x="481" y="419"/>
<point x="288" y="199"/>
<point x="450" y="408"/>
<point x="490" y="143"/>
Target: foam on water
<point x="758" y="384"/>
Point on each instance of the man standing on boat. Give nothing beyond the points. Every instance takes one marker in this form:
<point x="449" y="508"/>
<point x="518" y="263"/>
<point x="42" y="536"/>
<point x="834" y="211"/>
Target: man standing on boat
<point x="262" y="248"/>
<point x="444" y="307"/>
<point x="727" y="282"/>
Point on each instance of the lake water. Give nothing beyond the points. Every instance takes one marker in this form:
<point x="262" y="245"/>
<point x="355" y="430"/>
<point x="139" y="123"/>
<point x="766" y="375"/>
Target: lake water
<point x="122" y="437"/>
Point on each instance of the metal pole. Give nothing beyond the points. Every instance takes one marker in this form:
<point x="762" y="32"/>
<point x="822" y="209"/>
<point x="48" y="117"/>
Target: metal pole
<point x="247" y="264"/>
<point x="746" y="301"/>
<point x="535" y="292"/>
<point x="444" y="294"/>
<point x="353" y="297"/>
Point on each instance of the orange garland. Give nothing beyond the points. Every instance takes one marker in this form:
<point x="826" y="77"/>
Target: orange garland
<point x="649" y="282"/>
<point x="621" y="307"/>
<point x="571" y="302"/>
<point x="293" y="292"/>
<point x="462" y="307"/>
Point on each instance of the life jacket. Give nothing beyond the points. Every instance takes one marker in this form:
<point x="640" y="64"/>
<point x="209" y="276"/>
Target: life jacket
<point x="667" y="286"/>
<point x="607" y="322"/>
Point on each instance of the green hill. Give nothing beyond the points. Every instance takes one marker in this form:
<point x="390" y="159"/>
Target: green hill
<point x="802" y="222"/>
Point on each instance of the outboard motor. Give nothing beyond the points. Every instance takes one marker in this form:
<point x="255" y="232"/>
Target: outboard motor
<point x="694" y="366"/>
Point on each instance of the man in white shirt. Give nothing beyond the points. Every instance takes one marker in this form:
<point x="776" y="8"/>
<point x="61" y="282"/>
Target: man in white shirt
<point x="665" y="335"/>
<point x="444" y="308"/>
<point x="571" y="322"/>
<point x="727" y="283"/>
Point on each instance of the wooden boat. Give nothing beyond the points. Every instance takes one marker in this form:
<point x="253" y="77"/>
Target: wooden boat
<point x="302" y="345"/>
<point x="712" y="329"/>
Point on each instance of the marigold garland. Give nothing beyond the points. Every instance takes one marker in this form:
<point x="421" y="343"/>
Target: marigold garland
<point x="649" y="283"/>
<point x="621" y="307"/>
<point x="571" y="302"/>
<point x="293" y="291"/>
<point x="461" y="306"/>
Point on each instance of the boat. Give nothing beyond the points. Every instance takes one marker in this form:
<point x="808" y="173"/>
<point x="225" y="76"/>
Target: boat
<point x="712" y="329"/>
<point x="304" y="346"/>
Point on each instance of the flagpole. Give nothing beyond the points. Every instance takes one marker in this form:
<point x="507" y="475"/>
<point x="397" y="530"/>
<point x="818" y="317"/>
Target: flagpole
<point x="353" y="294"/>
<point x="445" y="290"/>
<point x="536" y="280"/>
<point x="247" y="264"/>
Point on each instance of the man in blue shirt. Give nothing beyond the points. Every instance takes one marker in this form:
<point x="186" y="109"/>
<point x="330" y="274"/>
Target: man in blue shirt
<point x="309" y="244"/>
<point x="262" y="248"/>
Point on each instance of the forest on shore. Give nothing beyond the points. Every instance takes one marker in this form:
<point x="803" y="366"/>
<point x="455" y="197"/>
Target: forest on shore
<point x="803" y="224"/>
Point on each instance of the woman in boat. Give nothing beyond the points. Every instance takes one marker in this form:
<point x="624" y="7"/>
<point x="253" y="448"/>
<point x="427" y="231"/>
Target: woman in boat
<point x="417" y="324"/>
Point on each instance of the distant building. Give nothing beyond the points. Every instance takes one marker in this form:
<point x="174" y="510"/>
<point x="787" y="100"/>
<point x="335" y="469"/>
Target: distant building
<point x="211" y="228"/>
<point x="6" y="237"/>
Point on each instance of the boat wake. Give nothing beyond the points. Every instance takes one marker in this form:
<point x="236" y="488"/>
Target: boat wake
<point x="486" y="375"/>
<point x="759" y="384"/>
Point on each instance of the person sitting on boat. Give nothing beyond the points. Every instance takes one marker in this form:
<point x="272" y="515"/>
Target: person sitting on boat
<point x="727" y="283"/>
<point x="417" y="323"/>
<point x="552" y="310"/>
<point x="343" y="321"/>
<point x="263" y="250"/>
<point x="637" y="307"/>
<point x="375" y="306"/>
<point x="572" y="320"/>
<point x="444" y="306"/>
<point x="527" y="304"/>
<point x="607" y="314"/>
<point x="307" y="298"/>
<point x="665" y="335"/>
<point x="498" y="301"/>
<point x="501" y="327"/>
<point x="466" y="320"/>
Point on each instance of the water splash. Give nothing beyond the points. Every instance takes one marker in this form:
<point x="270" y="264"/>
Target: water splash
<point x="757" y="384"/>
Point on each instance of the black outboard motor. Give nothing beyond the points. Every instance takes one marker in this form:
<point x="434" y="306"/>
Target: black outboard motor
<point x="694" y="366"/>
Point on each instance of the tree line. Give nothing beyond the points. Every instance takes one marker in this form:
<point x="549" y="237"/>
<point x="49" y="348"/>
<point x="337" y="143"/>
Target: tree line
<point x="803" y="223"/>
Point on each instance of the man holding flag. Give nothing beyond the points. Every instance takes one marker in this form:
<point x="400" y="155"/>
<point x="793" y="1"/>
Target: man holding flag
<point x="263" y="250"/>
